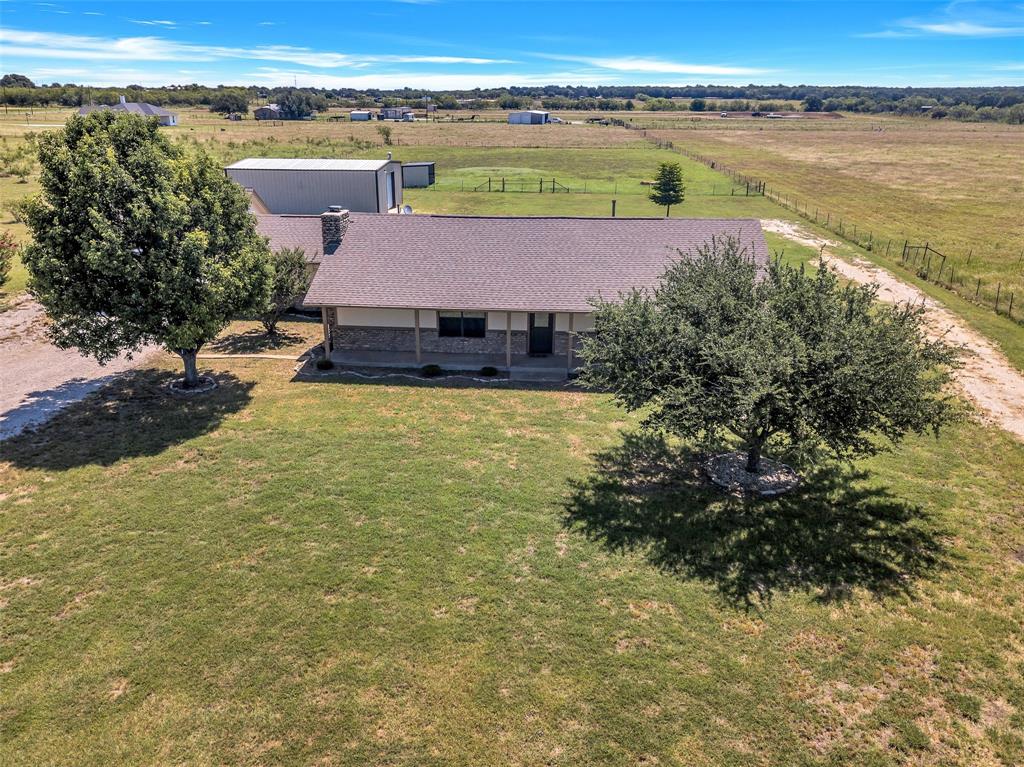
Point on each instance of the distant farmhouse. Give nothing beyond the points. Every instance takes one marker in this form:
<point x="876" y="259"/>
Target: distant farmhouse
<point x="529" y="117"/>
<point x="308" y="187"/>
<point x="163" y="116"/>
<point x="267" y="112"/>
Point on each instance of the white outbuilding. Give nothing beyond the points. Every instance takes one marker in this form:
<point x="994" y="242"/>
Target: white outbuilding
<point x="529" y="117"/>
<point x="309" y="187"/>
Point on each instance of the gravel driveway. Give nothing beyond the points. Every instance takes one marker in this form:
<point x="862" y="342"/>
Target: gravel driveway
<point x="36" y="378"/>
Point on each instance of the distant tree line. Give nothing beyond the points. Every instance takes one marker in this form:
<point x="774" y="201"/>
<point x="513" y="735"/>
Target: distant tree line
<point x="1001" y="104"/>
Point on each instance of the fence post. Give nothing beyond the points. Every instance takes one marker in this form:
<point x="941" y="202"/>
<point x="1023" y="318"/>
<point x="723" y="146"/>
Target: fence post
<point x="1010" y="311"/>
<point x="613" y="208"/>
<point x="999" y="287"/>
<point x="977" y="290"/>
<point x="887" y="244"/>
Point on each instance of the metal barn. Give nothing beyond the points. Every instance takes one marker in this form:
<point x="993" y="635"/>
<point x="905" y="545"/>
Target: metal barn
<point x="529" y="117"/>
<point x="310" y="187"/>
<point x="395" y="113"/>
<point x="417" y="174"/>
<point x="359" y="115"/>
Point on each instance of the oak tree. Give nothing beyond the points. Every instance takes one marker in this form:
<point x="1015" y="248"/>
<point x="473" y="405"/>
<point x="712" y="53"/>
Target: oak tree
<point x="771" y="355"/>
<point x="137" y="241"/>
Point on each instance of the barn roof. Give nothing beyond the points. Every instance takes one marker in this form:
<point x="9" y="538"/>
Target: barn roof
<point x="512" y="264"/>
<point x="270" y="163"/>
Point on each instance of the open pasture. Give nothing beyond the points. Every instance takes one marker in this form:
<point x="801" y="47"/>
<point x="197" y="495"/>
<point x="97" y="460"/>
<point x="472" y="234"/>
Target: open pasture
<point x="957" y="186"/>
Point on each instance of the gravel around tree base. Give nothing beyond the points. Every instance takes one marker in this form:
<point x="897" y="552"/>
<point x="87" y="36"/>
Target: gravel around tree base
<point x="206" y="384"/>
<point x="728" y="470"/>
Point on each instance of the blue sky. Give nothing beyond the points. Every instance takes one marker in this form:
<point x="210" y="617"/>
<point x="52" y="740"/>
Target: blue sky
<point x="466" y="43"/>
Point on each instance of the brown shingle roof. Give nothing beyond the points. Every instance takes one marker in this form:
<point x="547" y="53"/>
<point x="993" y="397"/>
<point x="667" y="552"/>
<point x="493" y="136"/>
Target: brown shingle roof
<point x="517" y="264"/>
<point x="293" y="232"/>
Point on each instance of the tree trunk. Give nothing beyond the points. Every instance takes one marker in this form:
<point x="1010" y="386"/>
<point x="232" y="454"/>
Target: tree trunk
<point x="668" y="210"/>
<point x="188" y="356"/>
<point x="754" y="455"/>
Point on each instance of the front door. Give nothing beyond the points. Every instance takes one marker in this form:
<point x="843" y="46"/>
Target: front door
<point x="391" y="190"/>
<point x="542" y="333"/>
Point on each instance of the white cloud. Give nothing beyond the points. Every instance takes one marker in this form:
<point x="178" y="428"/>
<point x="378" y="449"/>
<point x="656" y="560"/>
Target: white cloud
<point x="49" y="45"/>
<point x="154" y="22"/>
<point x="644" y="65"/>
<point x="968" y="29"/>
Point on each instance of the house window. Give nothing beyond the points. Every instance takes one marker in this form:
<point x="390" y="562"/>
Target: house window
<point x="462" y="324"/>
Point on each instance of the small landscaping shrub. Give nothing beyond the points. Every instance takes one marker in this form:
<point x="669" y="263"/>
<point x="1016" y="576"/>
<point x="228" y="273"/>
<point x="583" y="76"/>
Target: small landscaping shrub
<point x="324" y="364"/>
<point x="431" y="371"/>
<point x="488" y="371"/>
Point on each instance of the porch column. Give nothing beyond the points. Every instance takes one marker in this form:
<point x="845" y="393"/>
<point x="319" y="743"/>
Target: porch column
<point x="568" y="354"/>
<point x="416" y="315"/>
<point x="327" y="332"/>
<point x="508" y="341"/>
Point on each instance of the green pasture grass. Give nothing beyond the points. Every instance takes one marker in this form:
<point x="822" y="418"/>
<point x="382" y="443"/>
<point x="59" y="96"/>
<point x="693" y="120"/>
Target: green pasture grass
<point x="957" y="186"/>
<point x="342" y="572"/>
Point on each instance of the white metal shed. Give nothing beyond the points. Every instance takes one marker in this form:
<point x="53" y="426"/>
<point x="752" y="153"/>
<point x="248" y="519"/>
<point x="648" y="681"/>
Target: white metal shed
<point x="417" y="174"/>
<point x="310" y="187"/>
<point x="529" y="117"/>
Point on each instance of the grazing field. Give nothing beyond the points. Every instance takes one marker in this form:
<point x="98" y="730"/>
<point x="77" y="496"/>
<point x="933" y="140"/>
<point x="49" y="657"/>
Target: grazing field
<point x="958" y="186"/>
<point x="336" y="572"/>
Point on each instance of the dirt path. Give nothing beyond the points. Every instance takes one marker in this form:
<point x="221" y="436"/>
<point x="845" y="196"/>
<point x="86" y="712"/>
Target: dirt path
<point x="36" y="378"/>
<point x="987" y="377"/>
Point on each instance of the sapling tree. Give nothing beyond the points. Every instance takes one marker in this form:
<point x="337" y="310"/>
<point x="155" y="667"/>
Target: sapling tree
<point x="668" y="188"/>
<point x="8" y="247"/>
<point x="136" y="241"/>
<point x="772" y="356"/>
<point x="290" y="281"/>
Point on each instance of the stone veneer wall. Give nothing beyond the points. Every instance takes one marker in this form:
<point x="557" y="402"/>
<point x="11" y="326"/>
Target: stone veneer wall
<point x="352" y="338"/>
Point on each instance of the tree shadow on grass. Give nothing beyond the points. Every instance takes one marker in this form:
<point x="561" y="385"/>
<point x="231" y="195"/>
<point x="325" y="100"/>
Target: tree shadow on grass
<point x="256" y="341"/>
<point x="833" y="533"/>
<point x="134" y="414"/>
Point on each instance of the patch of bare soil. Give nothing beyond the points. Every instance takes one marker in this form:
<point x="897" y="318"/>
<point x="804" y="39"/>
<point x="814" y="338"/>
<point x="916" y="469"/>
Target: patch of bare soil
<point x="986" y="376"/>
<point x="36" y="378"/>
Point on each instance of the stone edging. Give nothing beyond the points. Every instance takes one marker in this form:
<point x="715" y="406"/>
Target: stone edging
<point x="727" y="470"/>
<point x="206" y="384"/>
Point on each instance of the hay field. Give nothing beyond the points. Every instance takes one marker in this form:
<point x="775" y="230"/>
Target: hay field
<point x="958" y="186"/>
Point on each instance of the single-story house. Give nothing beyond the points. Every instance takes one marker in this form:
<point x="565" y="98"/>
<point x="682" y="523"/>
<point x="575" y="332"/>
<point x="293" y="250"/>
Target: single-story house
<point x="395" y="113"/>
<point x="464" y="291"/>
<point x="311" y="186"/>
<point x="163" y="116"/>
<point x="267" y="112"/>
<point x="417" y="174"/>
<point x="529" y="117"/>
<point x="360" y="115"/>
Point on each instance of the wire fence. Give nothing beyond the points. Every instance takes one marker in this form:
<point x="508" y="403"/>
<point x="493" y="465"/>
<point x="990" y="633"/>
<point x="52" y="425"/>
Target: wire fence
<point x="946" y="271"/>
<point x="555" y="185"/>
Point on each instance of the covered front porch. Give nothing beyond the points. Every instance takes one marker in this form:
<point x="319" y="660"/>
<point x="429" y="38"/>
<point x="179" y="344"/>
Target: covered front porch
<point x="520" y="367"/>
<point x="522" y="345"/>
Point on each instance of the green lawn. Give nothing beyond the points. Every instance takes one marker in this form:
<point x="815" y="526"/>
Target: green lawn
<point x="328" y="572"/>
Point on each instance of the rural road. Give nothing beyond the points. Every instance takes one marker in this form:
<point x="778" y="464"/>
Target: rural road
<point x="36" y="378"/>
<point x="986" y="377"/>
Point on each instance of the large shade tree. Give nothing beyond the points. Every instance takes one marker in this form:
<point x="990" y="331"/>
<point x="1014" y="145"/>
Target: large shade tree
<point x="770" y="355"/>
<point x="137" y="241"/>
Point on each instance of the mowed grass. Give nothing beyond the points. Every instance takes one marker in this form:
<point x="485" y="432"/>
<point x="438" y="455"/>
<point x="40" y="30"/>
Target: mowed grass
<point x="957" y="186"/>
<point x="336" y="572"/>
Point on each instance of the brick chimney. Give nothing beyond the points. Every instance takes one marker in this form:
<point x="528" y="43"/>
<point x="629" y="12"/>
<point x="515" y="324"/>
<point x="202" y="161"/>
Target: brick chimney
<point x="333" y="225"/>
